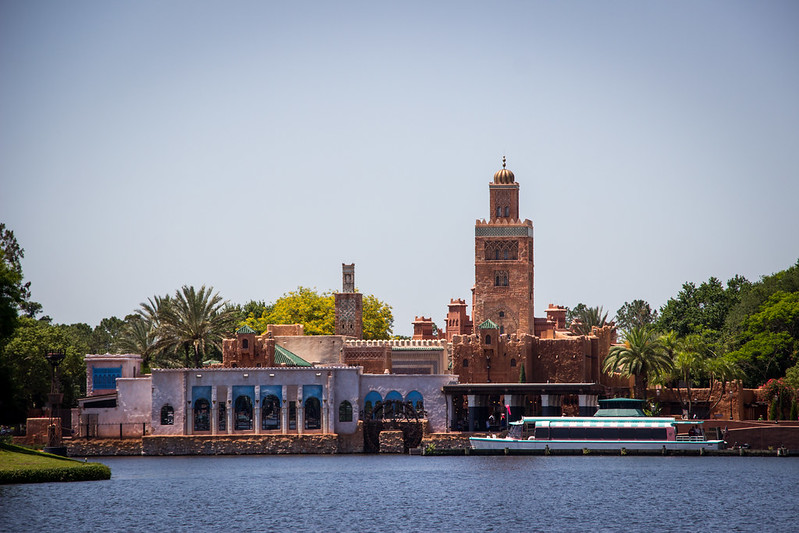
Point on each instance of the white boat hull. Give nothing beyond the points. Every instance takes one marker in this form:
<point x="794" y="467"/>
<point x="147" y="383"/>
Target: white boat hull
<point x="488" y="443"/>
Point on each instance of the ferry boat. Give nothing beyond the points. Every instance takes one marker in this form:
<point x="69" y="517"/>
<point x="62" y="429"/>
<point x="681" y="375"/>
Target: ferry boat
<point x="619" y="423"/>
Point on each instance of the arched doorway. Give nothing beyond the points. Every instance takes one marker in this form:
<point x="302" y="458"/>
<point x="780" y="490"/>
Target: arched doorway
<point x="242" y="411"/>
<point x="313" y="413"/>
<point x="202" y="415"/>
<point x="270" y="412"/>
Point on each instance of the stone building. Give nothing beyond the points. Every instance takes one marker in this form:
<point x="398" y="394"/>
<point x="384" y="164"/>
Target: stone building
<point x="508" y="362"/>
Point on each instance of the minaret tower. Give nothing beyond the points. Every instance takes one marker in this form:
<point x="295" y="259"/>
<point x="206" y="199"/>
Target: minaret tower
<point x="503" y="261"/>
<point x="349" y="305"/>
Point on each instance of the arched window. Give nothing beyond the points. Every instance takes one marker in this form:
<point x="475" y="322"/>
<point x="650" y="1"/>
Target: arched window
<point x="507" y="211"/>
<point x="499" y="211"/>
<point x="222" y="417"/>
<point x="345" y="411"/>
<point x="488" y="339"/>
<point x="393" y="404"/>
<point x="245" y="343"/>
<point x="505" y="254"/>
<point x="496" y="254"/>
<point x="202" y="415"/>
<point x="371" y="402"/>
<point x="501" y="330"/>
<point x="513" y="362"/>
<point x="167" y="415"/>
<point x="270" y="412"/>
<point x="417" y="402"/>
<point x="242" y="410"/>
<point x="465" y="363"/>
<point x="313" y="413"/>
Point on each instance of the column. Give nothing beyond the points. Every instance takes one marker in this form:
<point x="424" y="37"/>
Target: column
<point x="189" y="411"/>
<point x="588" y="404"/>
<point x="300" y="411"/>
<point x="284" y="410"/>
<point x="328" y="406"/>
<point x="550" y="405"/>
<point x="229" y="410"/>
<point x="214" y="411"/>
<point x="256" y="417"/>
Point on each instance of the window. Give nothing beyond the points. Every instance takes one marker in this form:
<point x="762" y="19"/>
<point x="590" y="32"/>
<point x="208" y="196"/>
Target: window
<point x="345" y="411"/>
<point x="507" y="211"/>
<point x="499" y="211"/>
<point x="313" y="413"/>
<point x="245" y="344"/>
<point x="167" y="415"/>
<point x="465" y="363"/>
<point x="502" y="314"/>
<point x="243" y="413"/>
<point x="488" y="339"/>
<point x="501" y="330"/>
<point x="513" y="362"/>
<point x="501" y="278"/>
<point x="202" y="415"/>
<point x="270" y="412"/>
<point x="416" y="401"/>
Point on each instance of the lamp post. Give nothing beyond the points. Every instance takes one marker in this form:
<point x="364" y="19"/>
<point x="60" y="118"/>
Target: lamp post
<point x="730" y="405"/>
<point x="54" y="445"/>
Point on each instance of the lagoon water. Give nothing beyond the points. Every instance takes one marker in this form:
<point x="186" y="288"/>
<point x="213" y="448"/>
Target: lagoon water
<point x="405" y="493"/>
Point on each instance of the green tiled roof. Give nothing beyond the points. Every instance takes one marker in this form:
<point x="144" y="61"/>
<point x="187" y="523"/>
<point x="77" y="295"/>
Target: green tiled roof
<point x="285" y="357"/>
<point x="488" y="324"/>
<point x="245" y="329"/>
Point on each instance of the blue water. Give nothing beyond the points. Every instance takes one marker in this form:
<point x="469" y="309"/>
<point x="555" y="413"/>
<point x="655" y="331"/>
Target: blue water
<point x="404" y="493"/>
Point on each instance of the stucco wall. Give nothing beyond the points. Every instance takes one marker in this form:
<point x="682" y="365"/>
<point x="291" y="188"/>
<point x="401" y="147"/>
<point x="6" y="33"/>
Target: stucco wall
<point x="323" y="349"/>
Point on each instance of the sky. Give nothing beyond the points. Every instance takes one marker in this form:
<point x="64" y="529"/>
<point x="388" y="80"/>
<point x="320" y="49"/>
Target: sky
<point x="256" y="146"/>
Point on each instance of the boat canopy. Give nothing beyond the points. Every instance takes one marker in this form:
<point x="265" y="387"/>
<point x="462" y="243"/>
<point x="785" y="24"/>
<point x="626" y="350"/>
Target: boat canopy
<point x="602" y="422"/>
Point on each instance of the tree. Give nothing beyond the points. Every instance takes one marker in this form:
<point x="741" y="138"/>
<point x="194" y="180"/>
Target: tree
<point x="701" y="308"/>
<point x="194" y="321"/>
<point x="641" y="356"/>
<point x="317" y="314"/>
<point x="585" y="318"/>
<point x="769" y="342"/>
<point x="12" y="291"/>
<point x="635" y="314"/>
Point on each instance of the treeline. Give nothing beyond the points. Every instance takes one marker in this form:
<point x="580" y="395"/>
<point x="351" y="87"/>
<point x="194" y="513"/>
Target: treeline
<point x="709" y="332"/>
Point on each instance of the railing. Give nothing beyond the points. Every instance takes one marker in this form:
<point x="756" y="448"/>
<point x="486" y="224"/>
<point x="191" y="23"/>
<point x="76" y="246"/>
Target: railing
<point x="690" y="438"/>
<point x="124" y="430"/>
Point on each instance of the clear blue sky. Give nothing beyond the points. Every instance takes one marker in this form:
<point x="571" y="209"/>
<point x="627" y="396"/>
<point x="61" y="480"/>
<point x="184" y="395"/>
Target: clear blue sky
<point x="256" y="146"/>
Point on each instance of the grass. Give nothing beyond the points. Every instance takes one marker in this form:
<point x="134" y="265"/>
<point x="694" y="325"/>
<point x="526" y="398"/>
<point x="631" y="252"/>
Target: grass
<point x="23" y="465"/>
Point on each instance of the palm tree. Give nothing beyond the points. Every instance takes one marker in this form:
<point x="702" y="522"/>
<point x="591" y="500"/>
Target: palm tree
<point x="139" y="336"/>
<point x="194" y="321"/>
<point x="585" y="318"/>
<point x="641" y="356"/>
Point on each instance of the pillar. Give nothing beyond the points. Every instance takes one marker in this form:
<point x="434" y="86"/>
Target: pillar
<point x="471" y="401"/>
<point x="551" y="405"/>
<point x="256" y="415"/>
<point x="229" y="411"/>
<point x="214" y="411"/>
<point x="588" y="404"/>
<point x="284" y="410"/>
<point x="300" y="411"/>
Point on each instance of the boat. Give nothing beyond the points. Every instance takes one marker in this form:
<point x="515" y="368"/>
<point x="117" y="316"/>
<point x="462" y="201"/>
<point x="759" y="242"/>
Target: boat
<point x="620" y="423"/>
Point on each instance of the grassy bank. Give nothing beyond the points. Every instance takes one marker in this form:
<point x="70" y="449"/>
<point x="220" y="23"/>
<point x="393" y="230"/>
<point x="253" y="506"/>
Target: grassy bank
<point x="23" y="465"/>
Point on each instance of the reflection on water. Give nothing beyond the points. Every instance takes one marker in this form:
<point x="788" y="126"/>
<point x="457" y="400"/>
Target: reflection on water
<point x="403" y="493"/>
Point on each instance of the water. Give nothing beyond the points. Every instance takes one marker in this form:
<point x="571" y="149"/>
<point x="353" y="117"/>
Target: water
<point x="404" y="493"/>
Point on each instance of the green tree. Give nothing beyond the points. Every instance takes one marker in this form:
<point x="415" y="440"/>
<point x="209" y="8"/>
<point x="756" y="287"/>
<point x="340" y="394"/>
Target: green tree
<point x="635" y="314"/>
<point x="194" y="321"/>
<point x="317" y="313"/>
<point x="585" y="318"/>
<point x="701" y="308"/>
<point x="641" y="356"/>
<point x="769" y="342"/>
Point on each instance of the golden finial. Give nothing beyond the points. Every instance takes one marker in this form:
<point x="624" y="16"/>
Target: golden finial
<point x="503" y="161"/>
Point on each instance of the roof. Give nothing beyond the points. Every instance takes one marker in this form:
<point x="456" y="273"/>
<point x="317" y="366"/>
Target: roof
<point x="245" y="329"/>
<point x="621" y="407"/>
<point x="285" y="357"/>
<point x="488" y="324"/>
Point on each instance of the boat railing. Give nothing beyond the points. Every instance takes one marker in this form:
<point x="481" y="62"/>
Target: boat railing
<point x="691" y="438"/>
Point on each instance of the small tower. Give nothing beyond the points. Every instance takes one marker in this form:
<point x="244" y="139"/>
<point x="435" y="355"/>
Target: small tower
<point x="349" y="305"/>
